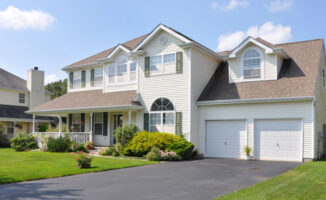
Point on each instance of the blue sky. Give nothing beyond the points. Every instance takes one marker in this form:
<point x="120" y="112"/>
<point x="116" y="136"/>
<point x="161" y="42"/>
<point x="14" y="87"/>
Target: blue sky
<point x="53" y="34"/>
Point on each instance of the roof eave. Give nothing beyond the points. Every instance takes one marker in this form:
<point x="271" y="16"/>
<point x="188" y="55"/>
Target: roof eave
<point x="202" y="49"/>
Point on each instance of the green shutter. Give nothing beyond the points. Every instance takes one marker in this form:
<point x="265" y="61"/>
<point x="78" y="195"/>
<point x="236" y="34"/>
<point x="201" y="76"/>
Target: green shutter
<point x="92" y="77"/>
<point x="146" y="121"/>
<point x="82" y="122"/>
<point x="147" y="63"/>
<point x="105" y="124"/>
<point x="178" y="123"/>
<point x="83" y="78"/>
<point x="179" y="67"/>
<point x="71" y="79"/>
<point x="70" y="123"/>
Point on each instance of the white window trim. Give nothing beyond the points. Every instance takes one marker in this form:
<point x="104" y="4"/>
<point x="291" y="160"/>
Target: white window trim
<point x="116" y="83"/>
<point x="262" y="65"/>
<point x="163" y="73"/>
<point x="161" y="113"/>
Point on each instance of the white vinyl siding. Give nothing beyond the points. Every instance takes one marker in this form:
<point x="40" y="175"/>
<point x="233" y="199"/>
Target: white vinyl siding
<point x="11" y="97"/>
<point x="175" y="87"/>
<point x="257" y="111"/>
<point x="97" y="85"/>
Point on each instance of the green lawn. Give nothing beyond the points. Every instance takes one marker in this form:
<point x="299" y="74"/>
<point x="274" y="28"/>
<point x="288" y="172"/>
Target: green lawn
<point x="25" y="166"/>
<point x="307" y="181"/>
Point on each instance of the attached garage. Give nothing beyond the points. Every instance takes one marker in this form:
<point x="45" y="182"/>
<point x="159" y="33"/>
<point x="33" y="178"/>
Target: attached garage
<point x="278" y="139"/>
<point x="226" y="138"/>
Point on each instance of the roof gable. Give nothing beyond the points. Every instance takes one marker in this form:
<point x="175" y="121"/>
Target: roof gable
<point x="248" y="40"/>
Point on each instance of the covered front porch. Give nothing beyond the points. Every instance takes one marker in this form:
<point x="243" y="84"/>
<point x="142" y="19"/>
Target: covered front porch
<point x="91" y="115"/>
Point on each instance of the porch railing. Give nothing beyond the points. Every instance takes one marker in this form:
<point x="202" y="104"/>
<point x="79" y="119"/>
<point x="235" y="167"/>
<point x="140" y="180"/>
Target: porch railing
<point x="78" y="137"/>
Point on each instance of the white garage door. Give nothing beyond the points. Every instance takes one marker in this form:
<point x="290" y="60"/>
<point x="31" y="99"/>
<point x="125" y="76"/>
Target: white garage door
<point x="278" y="140"/>
<point x="226" y="139"/>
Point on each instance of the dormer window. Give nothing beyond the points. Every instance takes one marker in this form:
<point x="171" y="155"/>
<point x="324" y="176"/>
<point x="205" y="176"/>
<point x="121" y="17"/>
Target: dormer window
<point x="123" y="71"/>
<point x="252" y="64"/>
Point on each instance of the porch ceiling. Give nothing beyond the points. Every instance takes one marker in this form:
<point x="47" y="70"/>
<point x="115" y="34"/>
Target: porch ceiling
<point x="89" y="101"/>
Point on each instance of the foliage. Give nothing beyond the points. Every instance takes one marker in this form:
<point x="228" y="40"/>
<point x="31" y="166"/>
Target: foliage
<point x="43" y="139"/>
<point x="195" y="154"/>
<point x="75" y="147"/>
<point x="56" y="128"/>
<point x="124" y="134"/>
<point x="23" y="142"/>
<point x="83" y="160"/>
<point x="42" y="128"/>
<point x="60" y="144"/>
<point x="89" y="145"/>
<point x="110" y="151"/>
<point x="156" y="155"/>
<point x="4" y="142"/>
<point x="143" y="142"/>
<point x="32" y="165"/>
<point x="57" y="88"/>
<point x="247" y="150"/>
<point x="183" y="148"/>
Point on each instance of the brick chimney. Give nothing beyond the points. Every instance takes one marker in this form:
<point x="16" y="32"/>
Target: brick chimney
<point x="35" y="85"/>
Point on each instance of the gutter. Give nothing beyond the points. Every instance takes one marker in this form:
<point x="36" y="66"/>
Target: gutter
<point x="86" y="109"/>
<point x="201" y="48"/>
<point x="260" y="100"/>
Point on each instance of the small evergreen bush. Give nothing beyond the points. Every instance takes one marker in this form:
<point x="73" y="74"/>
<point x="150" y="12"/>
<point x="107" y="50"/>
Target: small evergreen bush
<point x="183" y="148"/>
<point x="60" y="144"/>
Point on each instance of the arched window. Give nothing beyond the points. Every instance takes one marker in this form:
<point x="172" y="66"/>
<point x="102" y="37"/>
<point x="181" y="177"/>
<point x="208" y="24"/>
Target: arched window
<point x="252" y="64"/>
<point x="162" y="116"/>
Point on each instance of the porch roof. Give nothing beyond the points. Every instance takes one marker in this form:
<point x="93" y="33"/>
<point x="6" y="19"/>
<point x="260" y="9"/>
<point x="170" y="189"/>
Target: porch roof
<point x="91" y="100"/>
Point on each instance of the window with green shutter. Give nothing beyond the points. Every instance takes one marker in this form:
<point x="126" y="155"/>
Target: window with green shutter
<point x="147" y="66"/>
<point x="92" y="77"/>
<point x="83" y="78"/>
<point x="146" y="121"/>
<point x="71" y="79"/>
<point x="179" y="65"/>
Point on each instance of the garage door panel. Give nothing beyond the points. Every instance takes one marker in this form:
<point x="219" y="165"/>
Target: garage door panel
<point x="278" y="139"/>
<point x="225" y="139"/>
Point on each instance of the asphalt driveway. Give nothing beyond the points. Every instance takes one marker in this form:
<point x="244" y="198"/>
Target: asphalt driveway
<point x="200" y="179"/>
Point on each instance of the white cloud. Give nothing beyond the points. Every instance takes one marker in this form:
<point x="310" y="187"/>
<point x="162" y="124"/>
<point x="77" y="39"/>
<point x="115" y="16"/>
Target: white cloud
<point x="14" y="18"/>
<point x="50" y="78"/>
<point x="232" y="4"/>
<point x="280" y="5"/>
<point x="274" y="33"/>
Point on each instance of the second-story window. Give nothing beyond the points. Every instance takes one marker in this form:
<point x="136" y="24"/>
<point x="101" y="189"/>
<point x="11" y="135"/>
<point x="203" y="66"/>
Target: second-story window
<point x="121" y="72"/>
<point x="161" y="64"/>
<point x="98" y="76"/>
<point x="21" y="98"/>
<point x="132" y="71"/>
<point x="251" y="64"/>
<point x="77" y="79"/>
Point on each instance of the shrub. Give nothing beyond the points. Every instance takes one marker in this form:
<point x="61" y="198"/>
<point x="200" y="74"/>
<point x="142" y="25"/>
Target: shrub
<point x="183" y="148"/>
<point x="60" y="144"/>
<point x="83" y="160"/>
<point x="4" y="142"/>
<point x="23" y="142"/>
<point x="156" y="155"/>
<point x="42" y="128"/>
<point x="89" y="145"/>
<point x="143" y="142"/>
<point x="123" y="135"/>
<point x="75" y="147"/>
<point x="110" y="151"/>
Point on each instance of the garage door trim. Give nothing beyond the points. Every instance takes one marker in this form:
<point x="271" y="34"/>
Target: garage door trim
<point x="285" y="118"/>
<point x="221" y="120"/>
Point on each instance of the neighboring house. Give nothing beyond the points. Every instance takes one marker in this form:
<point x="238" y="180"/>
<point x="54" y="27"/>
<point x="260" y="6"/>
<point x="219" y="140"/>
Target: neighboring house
<point x="16" y="97"/>
<point x="270" y="97"/>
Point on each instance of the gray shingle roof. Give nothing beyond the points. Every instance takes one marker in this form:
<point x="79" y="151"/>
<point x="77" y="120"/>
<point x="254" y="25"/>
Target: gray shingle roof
<point x="10" y="111"/>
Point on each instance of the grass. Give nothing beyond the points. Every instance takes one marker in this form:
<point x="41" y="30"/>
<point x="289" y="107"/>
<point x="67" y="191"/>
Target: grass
<point x="25" y="166"/>
<point x="307" y="181"/>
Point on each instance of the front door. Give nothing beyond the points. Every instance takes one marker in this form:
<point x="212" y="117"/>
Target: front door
<point x="101" y="137"/>
<point x="117" y="122"/>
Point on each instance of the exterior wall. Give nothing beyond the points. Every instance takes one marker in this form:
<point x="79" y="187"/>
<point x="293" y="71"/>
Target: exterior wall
<point x="250" y="112"/>
<point x="202" y="69"/>
<point x="320" y="108"/>
<point x="122" y="86"/>
<point x="269" y="65"/>
<point x="35" y="84"/>
<point x="11" y="97"/>
<point x="25" y="127"/>
<point x="88" y="81"/>
<point x="175" y="87"/>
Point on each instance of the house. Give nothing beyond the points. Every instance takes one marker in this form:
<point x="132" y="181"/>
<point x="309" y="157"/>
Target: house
<point x="270" y="97"/>
<point x="17" y="96"/>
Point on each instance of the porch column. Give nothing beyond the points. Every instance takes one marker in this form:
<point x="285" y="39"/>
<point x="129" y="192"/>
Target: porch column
<point x="60" y="125"/>
<point x="129" y="117"/>
<point x="14" y="128"/>
<point x="91" y="127"/>
<point x="33" y="128"/>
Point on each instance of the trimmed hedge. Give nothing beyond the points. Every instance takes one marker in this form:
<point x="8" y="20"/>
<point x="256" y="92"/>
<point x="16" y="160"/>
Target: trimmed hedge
<point x="143" y="142"/>
<point x="183" y="148"/>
